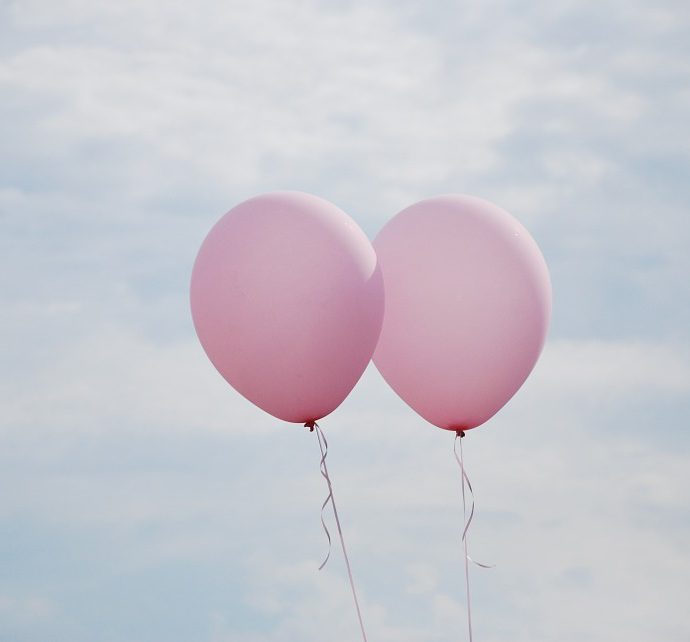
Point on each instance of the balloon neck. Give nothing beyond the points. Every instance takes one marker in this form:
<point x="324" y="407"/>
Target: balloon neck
<point x="460" y="433"/>
<point x="310" y="425"/>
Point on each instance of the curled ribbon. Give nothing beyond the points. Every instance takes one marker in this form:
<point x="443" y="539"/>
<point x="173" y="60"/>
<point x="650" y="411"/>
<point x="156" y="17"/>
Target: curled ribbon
<point x="466" y="480"/>
<point x="467" y="521"/>
<point x="324" y="474"/>
<point x="323" y="447"/>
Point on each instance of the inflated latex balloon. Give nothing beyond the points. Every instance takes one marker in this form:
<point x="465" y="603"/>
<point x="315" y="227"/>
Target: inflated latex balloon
<point x="287" y="301"/>
<point x="468" y="302"/>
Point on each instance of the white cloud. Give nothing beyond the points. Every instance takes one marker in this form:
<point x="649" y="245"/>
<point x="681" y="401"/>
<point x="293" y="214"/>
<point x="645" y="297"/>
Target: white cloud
<point x="25" y="609"/>
<point x="238" y="98"/>
<point x="129" y="128"/>
<point x="560" y="514"/>
<point x="600" y="369"/>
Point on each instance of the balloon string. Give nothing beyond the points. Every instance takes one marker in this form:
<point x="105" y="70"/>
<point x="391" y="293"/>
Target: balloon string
<point x="324" y="474"/>
<point x="467" y="521"/>
<point x="323" y="447"/>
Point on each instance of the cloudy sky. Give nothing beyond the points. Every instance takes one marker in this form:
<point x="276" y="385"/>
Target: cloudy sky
<point x="142" y="499"/>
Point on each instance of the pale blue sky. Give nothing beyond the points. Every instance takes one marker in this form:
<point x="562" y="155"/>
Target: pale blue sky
<point x="143" y="500"/>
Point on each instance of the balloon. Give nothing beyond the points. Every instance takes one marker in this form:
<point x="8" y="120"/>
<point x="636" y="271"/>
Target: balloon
<point x="468" y="301"/>
<point x="287" y="301"/>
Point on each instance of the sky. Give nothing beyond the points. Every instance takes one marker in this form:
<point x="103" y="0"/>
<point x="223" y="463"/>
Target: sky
<point x="142" y="499"/>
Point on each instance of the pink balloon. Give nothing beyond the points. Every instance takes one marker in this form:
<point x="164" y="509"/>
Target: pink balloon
<point x="468" y="301"/>
<point x="287" y="301"/>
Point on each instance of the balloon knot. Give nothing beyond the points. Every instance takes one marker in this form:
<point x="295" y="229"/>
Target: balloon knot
<point x="310" y="425"/>
<point x="460" y="433"/>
